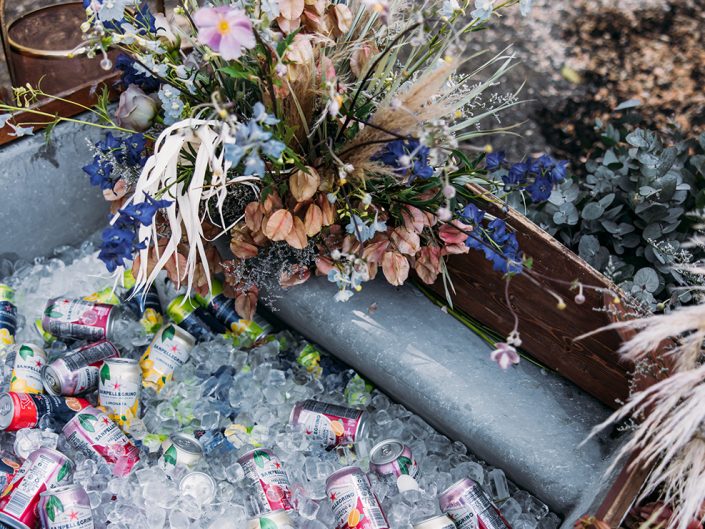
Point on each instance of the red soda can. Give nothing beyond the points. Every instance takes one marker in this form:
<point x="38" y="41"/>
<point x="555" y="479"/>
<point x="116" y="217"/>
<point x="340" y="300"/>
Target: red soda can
<point x="43" y="470"/>
<point x="66" y="507"/>
<point x="77" y="371"/>
<point x="333" y="425"/>
<point x="78" y="319"/>
<point x="267" y="479"/>
<point x="353" y="502"/>
<point x="25" y="410"/>
<point x="392" y="458"/>
<point x="92" y="433"/>
<point x="469" y="506"/>
<point x="8" y="468"/>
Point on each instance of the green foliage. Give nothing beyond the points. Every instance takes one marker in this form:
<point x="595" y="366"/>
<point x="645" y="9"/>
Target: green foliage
<point x="631" y="213"/>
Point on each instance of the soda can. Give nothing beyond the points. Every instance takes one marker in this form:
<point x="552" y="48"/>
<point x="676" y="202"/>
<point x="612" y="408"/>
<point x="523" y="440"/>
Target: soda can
<point x="144" y="304"/>
<point x="333" y="425"/>
<point x="435" y="522"/>
<point x="92" y="433"/>
<point x="47" y="337"/>
<point x="44" y="469"/>
<point x="8" y="469"/>
<point x="119" y="389"/>
<point x="391" y="458"/>
<point x="199" y="486"/>
<point x="27" y="369"/>
<point x="181" y="449"/>
<point x="267" y="480"/>
<point x="191" y="317"/>
<point x="66" y="507"/>
<point x="106" y="295"/>
<point x="24" y="410"/>
<point x="272" y="520"/>
<point x="77" y="371"/>
<point x="353" y="502"/>
<point x="78" y="319"/>
<point x="8" y="315"/>
<point x="169" y="348"/>
<point x="469" y="506"/>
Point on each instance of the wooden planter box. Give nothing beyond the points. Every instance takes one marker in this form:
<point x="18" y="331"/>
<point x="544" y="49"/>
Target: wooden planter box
<point x="548" y="333"/>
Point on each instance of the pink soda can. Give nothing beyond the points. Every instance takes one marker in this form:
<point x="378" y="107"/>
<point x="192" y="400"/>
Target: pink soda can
<point x="78" y="319"/>
<point x="66" y="507"/>
<point x="77" y="371"/>
<point x="469" y="506"/>
<point x="391" y="458"/>
<point x="331" y="424"/>
<point x="267" y="480"/>
<point x="44" y="469"/>
<point x="97" y="437"/>
<point x="353" y="502"/>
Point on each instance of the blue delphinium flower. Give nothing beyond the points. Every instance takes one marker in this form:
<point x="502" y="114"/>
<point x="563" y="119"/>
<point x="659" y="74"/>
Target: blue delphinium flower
<point x="135" y="154"/>
<point x="143" y="212"/>
<point x="252" y="141"/>
<point x="517" y="174"/>
<point x="130" y="75"/>
<point x="171" y="104"/>
<point x="119" y="241"/>
<point x="494" y="160"/>
<point x="540" y="190"/>
<point x="499" y="244"/>
<point x="364" y="232"/>
<point x="100" y="172"/>
<point x="408" y="158"/>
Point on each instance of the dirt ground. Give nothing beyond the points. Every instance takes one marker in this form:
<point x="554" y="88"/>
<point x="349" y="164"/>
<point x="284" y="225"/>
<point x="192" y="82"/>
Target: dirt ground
<point x="579" y="60"/>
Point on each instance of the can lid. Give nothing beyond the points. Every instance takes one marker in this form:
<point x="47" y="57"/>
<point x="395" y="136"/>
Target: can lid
<point x="10" y="523"/>
<point x="342" y="472"/>
<point x="51" y="380"/>
<point x="185" y="335"/>
<point x="199" y="484"/>
<point x="123" y="361"/>
<point x="187" y="443"/>
<point x="7" y="410"/>
<point x="57" y="490"/>
<point x="386" y="451"/>
<point x="434" y="518"/>
<point x="460" y="482"/>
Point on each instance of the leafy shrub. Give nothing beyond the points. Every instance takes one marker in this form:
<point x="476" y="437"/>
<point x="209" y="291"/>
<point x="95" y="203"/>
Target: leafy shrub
<point x="631" y="213"/>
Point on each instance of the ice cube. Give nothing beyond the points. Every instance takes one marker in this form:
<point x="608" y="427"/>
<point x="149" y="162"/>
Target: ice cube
<point x="178" y="519"/>
<point x="525" y="521"/>
<point x="497" y="486"/>
<point x="511" y="509"/>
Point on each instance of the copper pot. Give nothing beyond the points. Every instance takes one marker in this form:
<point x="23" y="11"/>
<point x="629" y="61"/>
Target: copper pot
<point x="38" y="46"/>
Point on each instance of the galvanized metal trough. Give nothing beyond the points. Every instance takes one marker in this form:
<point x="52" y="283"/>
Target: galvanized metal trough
<point x="526" y="421"/>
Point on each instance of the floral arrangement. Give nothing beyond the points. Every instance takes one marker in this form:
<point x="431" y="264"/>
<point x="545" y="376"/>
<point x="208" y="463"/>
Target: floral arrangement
<point x="309" y="136"/>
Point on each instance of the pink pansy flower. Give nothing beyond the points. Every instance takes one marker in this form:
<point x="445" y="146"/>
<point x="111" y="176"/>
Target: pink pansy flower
<point x="225" y="30"/>
<point x="505" y="355"/>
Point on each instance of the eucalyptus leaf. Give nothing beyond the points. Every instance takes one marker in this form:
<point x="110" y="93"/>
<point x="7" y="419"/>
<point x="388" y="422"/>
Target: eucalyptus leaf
<point x="593" y="211"/>
<point x="647" y="278"/>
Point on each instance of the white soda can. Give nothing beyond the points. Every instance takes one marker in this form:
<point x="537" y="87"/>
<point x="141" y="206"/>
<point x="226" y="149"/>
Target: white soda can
<point x="27" y="369"/>
<point x="169" y="349"/>
<point x="119" y="389"/>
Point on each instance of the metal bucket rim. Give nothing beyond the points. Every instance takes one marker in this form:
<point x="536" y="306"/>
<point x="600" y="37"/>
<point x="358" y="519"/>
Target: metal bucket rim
<point x="34" y="52"/>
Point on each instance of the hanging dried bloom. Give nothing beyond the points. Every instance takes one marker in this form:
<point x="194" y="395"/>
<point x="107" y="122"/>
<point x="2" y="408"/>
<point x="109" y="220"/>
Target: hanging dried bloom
<point x="505" y="355"/>
<point x="225" y="30"/>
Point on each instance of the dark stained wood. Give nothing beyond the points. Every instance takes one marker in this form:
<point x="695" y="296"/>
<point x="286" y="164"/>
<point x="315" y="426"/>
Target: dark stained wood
<point x="547" y="332"/>
<point x="622" y="494"/>
<point x="85" y="94"/>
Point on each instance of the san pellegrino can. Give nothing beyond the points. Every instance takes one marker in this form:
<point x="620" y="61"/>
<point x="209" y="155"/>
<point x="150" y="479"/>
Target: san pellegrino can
<point x="78" y="319"/>
<point x="27" y="410"/>
<point x="66" y="507"/>
<point x="8" y="315"/>
<point x="391" y="458"/>
<point x="435" y="522"/>
<point x="169" y="349"/>
<point x="119" y="389"/>
<point x="272" y="520"/>
<point x="469" y="506"/>
<point x="353" y="502"/>
<point x="190" y="316"/>
<point x="144" y="304"/>
<point x="43" y="470"/>
<point x="200" y="486"/>
<point x="333" y="425"/>
<point x="267" y="480"/>
<point x="92" y="433"/>
<point x="26" y="377"/>
<point x="180" y="449"/>
<point x="77" y="371"/>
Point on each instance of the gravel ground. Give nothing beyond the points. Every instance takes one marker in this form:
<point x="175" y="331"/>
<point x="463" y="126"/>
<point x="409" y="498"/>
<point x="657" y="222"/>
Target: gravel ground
<point x="579" y="59"/>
